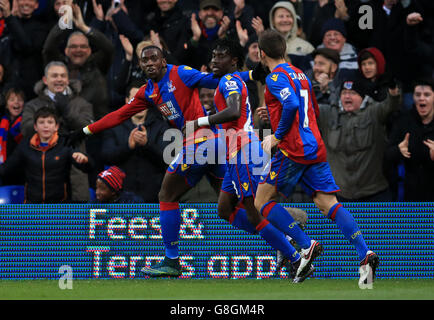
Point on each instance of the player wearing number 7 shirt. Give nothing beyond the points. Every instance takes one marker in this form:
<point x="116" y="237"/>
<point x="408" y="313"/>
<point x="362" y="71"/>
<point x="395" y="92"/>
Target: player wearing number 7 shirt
<point x="300" y="158"/>
<point x="173" y="90"/>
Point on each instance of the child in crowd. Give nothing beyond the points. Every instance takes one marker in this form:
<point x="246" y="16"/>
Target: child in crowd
<point x="46" y="161"/>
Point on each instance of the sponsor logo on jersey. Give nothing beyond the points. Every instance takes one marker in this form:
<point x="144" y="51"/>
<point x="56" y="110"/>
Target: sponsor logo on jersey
<point x="168" y="110"/>
<point x="187" y="68"/>
<point x="184" y="167"/>
<point x="228" y="77"/>
<point x="285" y="93"/>
<point x="272" y="175"/>
<point x="231" y="85"/>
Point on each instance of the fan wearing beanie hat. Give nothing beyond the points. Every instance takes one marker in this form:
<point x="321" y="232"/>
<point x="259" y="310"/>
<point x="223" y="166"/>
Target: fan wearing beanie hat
<point x="334" y="35"/>
<point x="109" y="188"/>
<point x="352" y="95"/>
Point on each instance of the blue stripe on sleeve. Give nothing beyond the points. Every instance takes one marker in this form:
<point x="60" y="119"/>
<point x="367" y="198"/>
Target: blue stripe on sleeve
<point x="279" y="86"/>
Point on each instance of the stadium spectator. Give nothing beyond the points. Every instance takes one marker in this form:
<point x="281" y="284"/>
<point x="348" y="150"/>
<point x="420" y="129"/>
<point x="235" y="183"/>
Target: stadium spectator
<point x="27" y="36"/>
<point x="171" y="24"/>
<point x="372" y="67"/>
<point x="334" y="35"/>
<point x="55" y="90"/>
<point x="10" y="124"/>
<point x="284" y="19"/>
<point x="88" y="55"/>
<point x="323" y="10"/>
<point x="206" y="97"/>
<point x="325" y="75"/>
<point x="412" y="142"/>
<point x="118" y="73"/>
<point x="3" y="87"/>
<point x="109" y="188"/>
<point x="46" y="161"/>
<point x="208" y="25"/>
<point x="10" y="132"/>
<point x="355" y="137"/>
<point x="136" y="146"/>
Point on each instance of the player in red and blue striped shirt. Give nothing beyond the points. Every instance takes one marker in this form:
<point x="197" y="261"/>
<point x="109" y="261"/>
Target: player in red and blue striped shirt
<point x="244" y="153"/>
<point x="300" y="158"/>
<point x="174" y="91"/>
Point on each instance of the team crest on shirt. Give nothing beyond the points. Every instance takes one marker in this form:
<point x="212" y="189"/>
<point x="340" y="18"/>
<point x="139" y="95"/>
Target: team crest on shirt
<point x="285" y="93"/>
<point x="274" y="77"/>
<point x="170" y="86"/>
<point x="245" y="186"/>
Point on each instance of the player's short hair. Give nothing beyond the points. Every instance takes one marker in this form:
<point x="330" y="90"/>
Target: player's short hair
<point x="57" y="64"/>
<point x="45" y="112"/>
<point x="273" y="44"/>
<point x="148" y="47"/>
<point x="234" y="49"/>
<point x="424" y="82"/>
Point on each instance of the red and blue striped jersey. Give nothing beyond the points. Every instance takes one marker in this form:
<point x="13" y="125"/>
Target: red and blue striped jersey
<point x="293" y="111"/>
<point x="238" y="132"/>
<point x="175" y="95"/>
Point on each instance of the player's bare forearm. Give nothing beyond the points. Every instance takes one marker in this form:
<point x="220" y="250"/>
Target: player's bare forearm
<point x="231" y="113"/>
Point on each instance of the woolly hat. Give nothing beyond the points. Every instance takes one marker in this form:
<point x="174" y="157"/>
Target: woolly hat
<point x="330" y="54"/>
<point x="210" y="3"/>
<point x="334" y="24"/>
<point x="113" y="177"/>
<point x="378" y="57"/>
<point x="355" y="85"/>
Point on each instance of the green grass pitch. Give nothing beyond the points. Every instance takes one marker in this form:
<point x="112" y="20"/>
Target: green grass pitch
<point x="240" y="289"/>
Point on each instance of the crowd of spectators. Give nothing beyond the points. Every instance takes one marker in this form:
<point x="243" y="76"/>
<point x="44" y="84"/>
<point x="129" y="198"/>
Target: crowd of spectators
<point x="370" y="63"/>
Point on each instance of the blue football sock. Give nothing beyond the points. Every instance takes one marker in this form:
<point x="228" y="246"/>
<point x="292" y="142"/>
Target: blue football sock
<point x="170" y="220"/>
<point x="282" y="220"/>
<point x="239" y="220"/>
<point x="277" y="240"/>
<point x="349" y="228"/>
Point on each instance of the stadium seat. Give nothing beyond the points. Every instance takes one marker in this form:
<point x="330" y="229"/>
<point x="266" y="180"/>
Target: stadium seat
<point x="12" y="194"/>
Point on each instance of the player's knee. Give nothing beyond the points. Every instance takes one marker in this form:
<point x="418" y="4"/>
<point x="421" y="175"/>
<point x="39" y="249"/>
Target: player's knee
<point x="324" y="201"/>
<point x="164" y="196"/>
<point x="259" y="203"/>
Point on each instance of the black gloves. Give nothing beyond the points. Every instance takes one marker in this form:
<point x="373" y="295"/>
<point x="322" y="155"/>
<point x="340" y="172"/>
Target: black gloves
<point x="260" y="72"/>
<point x="61" y="102"/>
<point x="75" y="137"/>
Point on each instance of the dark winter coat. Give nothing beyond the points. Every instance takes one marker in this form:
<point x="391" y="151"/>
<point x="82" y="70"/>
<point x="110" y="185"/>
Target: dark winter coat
<point x="46" y="169"/>
<point x="144" y="166"/>
<point x="93" y="73"/>
<point x="419" y="169"/>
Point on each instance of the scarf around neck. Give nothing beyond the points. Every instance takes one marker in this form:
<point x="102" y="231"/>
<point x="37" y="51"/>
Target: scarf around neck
<point x="7" y="128"/>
